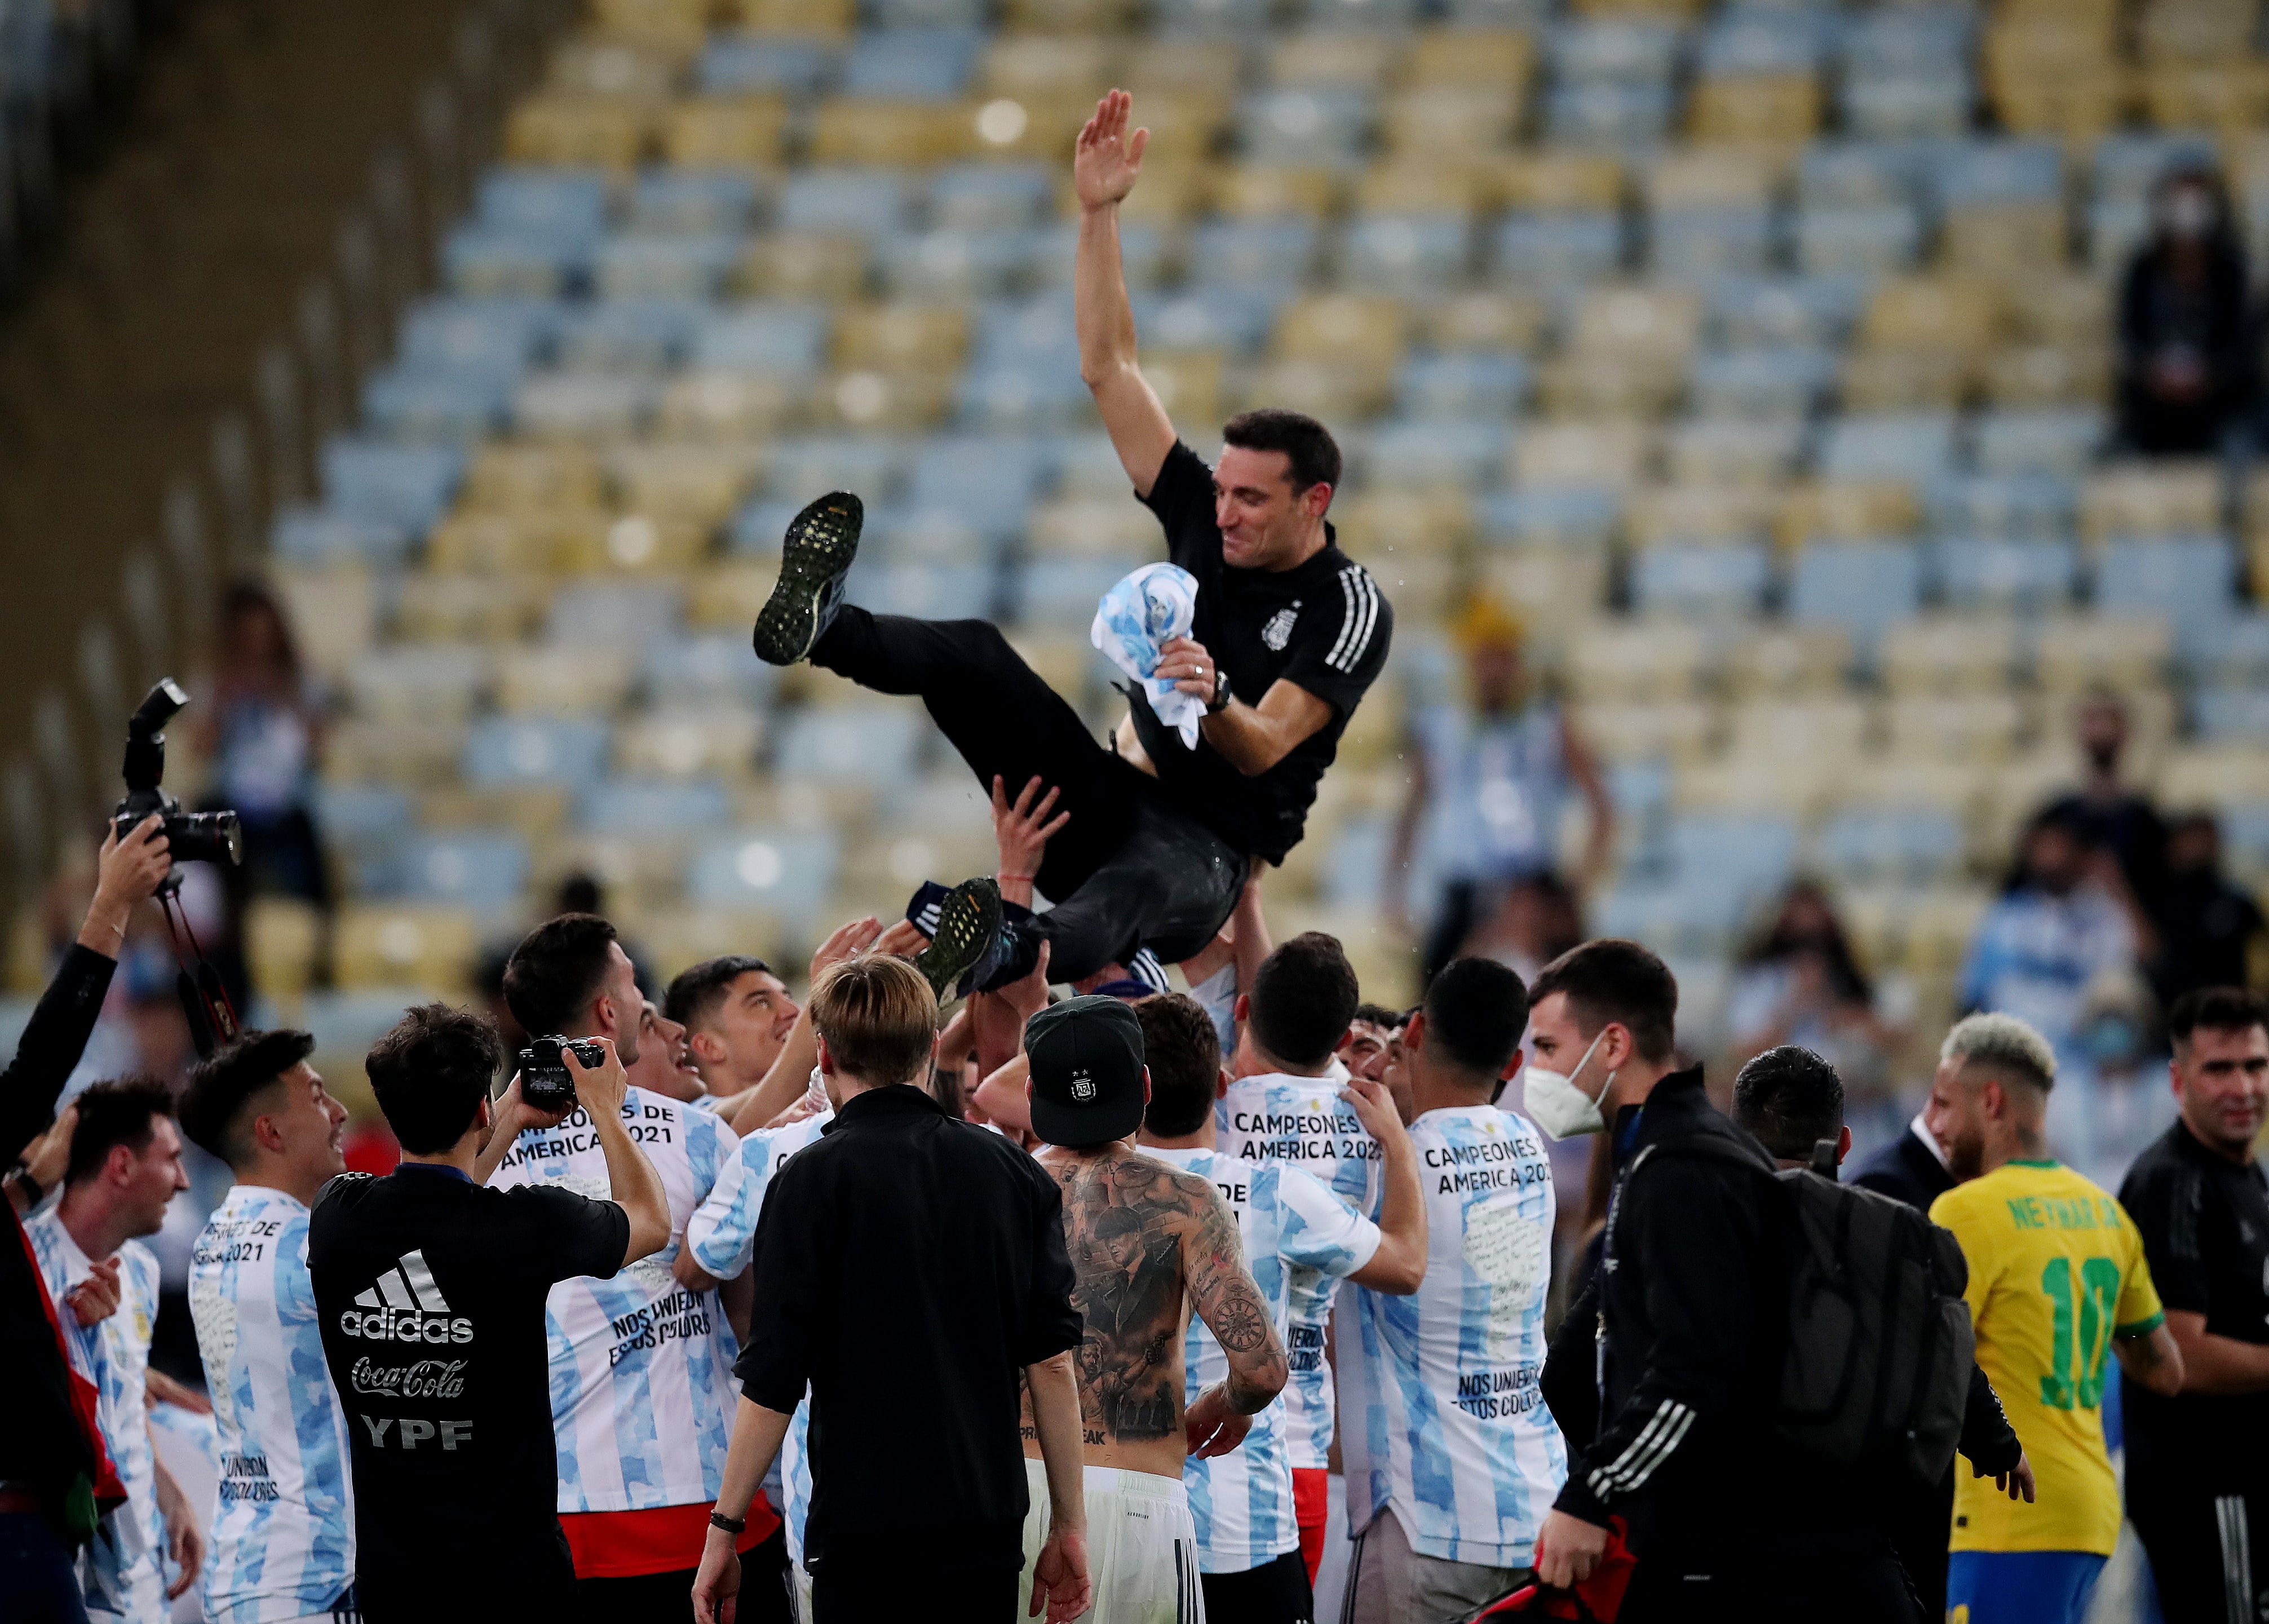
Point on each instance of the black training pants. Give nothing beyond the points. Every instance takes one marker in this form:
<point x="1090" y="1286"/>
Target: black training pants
<point x="1275" y="1592"/>
<point x="765" y="1597"/>
<point x="2202" y="1553"/>
<point x="1130" y="869"/>
<point x="1845" y="1590"/>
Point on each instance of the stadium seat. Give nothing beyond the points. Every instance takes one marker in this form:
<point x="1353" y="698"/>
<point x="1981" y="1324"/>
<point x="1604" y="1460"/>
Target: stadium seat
<point x="1861" y="585"/>
<point x="1917" y="845"/>
<point x="787" y="873"/>
<point x="1918" y="447"/>
<point x="1987" y="573"/>
<point x="1708" y="579"/>
<point x="406" y="485"/>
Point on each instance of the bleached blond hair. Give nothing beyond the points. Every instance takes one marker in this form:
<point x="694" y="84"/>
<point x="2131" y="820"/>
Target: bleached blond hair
<point x="2012" y="1048"/>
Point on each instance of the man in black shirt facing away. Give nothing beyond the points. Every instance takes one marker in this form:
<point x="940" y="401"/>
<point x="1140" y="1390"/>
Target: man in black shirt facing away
<point x="908" y="1268"/>
<point x="431" y="1289"/>
<point x="2197" y="1463"/>
<point x="1288" y="634"/>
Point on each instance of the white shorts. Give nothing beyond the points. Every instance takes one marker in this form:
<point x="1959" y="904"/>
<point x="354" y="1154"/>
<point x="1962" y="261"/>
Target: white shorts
<point x="1141" y="1545"/>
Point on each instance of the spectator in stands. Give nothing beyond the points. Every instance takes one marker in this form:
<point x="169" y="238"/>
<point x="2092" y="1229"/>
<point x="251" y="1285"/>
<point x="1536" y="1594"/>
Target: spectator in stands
<point x="2112" y="1100"/>
<point x="261" y="734"/>
<point x="1489" y="781"/>
<point x="2210" y="931"/>
<point x="2111" y="813"/>
<point x="2061" y="920"/>
<point x="2185" y="367"/>
<point x="1539" y="919"/>
<point x="1800" y="982"/>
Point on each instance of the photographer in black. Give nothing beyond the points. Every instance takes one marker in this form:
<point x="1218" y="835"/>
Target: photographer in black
<point x="431" y="1289"/>
<point x="52" y="1461"/>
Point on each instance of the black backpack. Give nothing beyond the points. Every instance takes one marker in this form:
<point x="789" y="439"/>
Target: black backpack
<point x="1875" y="1372"/>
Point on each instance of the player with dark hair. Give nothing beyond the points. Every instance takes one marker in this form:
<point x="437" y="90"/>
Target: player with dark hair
<point x="570" y="976"/>
<point x="1791" y="1100"/>
<point x="737" y="1015"/>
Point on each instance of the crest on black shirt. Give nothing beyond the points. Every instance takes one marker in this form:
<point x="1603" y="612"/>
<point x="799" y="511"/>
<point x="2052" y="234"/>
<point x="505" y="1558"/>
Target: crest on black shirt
<point x="1278" y="631"/>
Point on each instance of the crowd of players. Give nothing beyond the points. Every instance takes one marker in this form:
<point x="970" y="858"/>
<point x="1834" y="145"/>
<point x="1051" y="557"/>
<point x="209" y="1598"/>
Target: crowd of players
<point x="1292" y="1230"/>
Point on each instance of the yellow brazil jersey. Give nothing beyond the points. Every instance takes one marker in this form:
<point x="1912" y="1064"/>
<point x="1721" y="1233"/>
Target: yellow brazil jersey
<point x="2055" y="1271"/>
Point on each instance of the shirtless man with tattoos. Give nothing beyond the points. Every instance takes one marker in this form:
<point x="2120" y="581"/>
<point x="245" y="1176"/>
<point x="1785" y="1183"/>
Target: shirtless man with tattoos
<point x="1149" y="1245"/>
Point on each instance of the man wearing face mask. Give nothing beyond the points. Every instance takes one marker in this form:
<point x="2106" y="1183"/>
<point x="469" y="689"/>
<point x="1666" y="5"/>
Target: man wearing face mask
<point x="2185" y="371"/>
<point x="1662" y="1375"/>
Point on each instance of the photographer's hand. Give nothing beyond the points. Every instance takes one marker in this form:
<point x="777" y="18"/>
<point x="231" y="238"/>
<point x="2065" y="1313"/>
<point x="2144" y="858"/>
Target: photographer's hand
<point x="126" y="872"/>
<point x="630" y="1178"/>
<point x="509" y="1116"/>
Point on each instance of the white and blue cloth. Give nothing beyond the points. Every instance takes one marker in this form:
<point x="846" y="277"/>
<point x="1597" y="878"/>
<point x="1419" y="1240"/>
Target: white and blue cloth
<point x="283" y="1529"/>
<point x="1136" y="618"/>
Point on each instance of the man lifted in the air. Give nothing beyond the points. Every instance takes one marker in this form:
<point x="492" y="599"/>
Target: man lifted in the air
<point x="1288" y="632"/>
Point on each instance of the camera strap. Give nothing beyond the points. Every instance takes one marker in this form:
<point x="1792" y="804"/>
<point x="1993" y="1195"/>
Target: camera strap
<point x="205" y="1003"/>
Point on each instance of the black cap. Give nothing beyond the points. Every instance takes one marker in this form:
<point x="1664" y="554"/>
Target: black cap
<point x="1085" y="1055"/>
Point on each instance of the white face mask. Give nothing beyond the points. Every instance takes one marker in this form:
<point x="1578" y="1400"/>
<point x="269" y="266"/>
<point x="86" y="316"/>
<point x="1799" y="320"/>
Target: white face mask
<point x="1560" y="1108"/>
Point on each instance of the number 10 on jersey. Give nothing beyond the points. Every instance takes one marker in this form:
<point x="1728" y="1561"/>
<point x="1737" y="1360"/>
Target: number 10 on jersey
<point x="2076" y="1376"/>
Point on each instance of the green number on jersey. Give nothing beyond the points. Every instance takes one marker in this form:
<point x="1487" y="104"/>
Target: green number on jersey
<point x="2080" y="1337"/>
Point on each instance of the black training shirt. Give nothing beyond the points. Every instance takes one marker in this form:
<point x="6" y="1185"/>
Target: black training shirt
<point x="1323" y="627"/>
<point x="908" y="1266"/>
<point x="2205" y="1224"/>
<point x="431" y="1292"/>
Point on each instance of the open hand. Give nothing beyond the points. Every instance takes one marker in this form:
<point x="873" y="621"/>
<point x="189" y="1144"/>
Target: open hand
<point x="848" y="941"/>
<point x="1060" y="1577"/>
<point x="1105" y="160"/>
<point x="1021" y="831"/>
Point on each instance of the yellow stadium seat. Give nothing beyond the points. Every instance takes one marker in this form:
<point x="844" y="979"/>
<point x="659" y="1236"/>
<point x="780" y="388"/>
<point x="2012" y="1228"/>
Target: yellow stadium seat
<point x="1039" y="64"/>
<point x="1788" y="662"/>
<point x="598" y="65"/>
<point x="1257" y="191"/>
<point x="409" y="753"/>
<point x="1676" y="10"/>
<point x="1173" y="65"/>
<point x="1932" y="313"/>
<point x="804" y="265"/>
<point x="1035" y="126"/>
<point x="2073" y="653"/>
<point x="1795" y="787"/>
<point x="852" y="130"/>
<point x="1559" y="590"/>
<point x="1477" y="58"/>
<point x="678" y="938"/>
<point x="725" y="594"/>
<point x="1678" y="730"/>
<point x="711" y="132"/>
<point x="1409" y="187"/>
<point x="553" y="680"/>
<point x="1901" y="379"/>
<point x="2005" y="238"/>
<point x="1489" y="320"/>
<point x="2194" y="31"/>
<point x="1188" y="383"/>
<point x="580" y="130"/>
<point x="1783" y="108"/>
<point x="2167" y="497"/>
<point x="1954" y="785"/>
<point x="2068" y="308"/>
<point x="1840" y="725"/>
<point x="1446" y="121"/>
<point x="1551" y="182"/>
<point x="901" y="335"/>
<point x="1614" y="384"/>
<point x="2078" y="107"/>
<point x="703" y="484"/>
<point x="1983" y="727"/>
<point x="335" y="610"/>
<point x="1587" y="454"/>
<point x="728" y="406"/>
<point x="1725" y="514"/>
<point x="632" y="543"/>
<point x="1638" y="659"/>
<point x="1062" y="659"/>
<point x="378" y="945"/>
<point x="283" y="943"/>
<point x="1091" y="528"/>
<point x="476" y="608"/>
<point x="1352" y="328"/>
<point x="2227" y="94"/>
<point x="878" y="399"/>
<point x="1359" y="58"/>
<point x="2042" y="48"/>
<point x="1334" y="391"/>
<point x="710" y="742"/>
<point x="480" y="543"/>
<point x="830" y="17"/>
<point x="505" y="477"/>
<point x="1847" y="510"/>
<point x="1431" y="527"/>
<point x="1659" y="324"/>
<point x="1949" y="654"/>
<point x="2019" y="376"/>
<point x="2215" y="775"/>
<point x="1710" y="178"/>
<point x="662" y="20"/>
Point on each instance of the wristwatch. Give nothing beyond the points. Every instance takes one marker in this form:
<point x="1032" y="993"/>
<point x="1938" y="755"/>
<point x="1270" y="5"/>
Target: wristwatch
<point x="1219" y="703"/>
<point x="21" y="1174"/>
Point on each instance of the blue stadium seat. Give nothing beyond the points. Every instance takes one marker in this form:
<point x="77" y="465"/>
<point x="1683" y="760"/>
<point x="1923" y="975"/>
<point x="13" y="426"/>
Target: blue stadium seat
<point x="1355" y="871"/>
<point x="1614" y="51"/>
<point x="850" y="744"/>
<point x="1779" y="311"/>
<point x="1907" y="106"/>
<point x="1222" y="317"/>
<point x="2058" y="441"/>
<point x="1303" y="126"/>
<point x="697" y="201"/>
<point x="1558" y="516"/>
<point x="1063" y="591"/>
<point x="912" y="65"/>
<point x="1363" y="13"/>
<point x="810" y="465"/>
<point x="507" y="751"/>
<point x="318" y="538"/>
<point x="707" y="668"/>
<point x="987" y="480"/>
<point x="1861" y="585"/>
<point x="1394" y="253"/>
<point x="773" y="337"/>
<point x="1912" y="446"/>
<point x="498" y="336"/>
<point x="657" y="265"/>
<point x="1752" y="851"/>
<point x="1609" y="113"/>
<point x="1849" y="174"/>
<point x="407" y="485"/>
<point x="1469" y="452"/>
<point x="1048" y="254"/>
<point x="629" y="334"/>
<point x="953" y="264"/>
<point x="862" y="201"/>
<point x="1989" y="572"/>
<point x="642" y="806"/>
<point x="942" y="537"/>
<point x="925" y="591"/>
<point x="2185" y="579"/>
<point x="2231" y="715"/>
<point x="1783" y="382"/>
<point x="621" y="614"/>
<point x="569" y="203"/>
<point x="1697" y="915"/>
<point x="2128" y="163"/>
<point x="1558" y="248"/>
<point x="991" y="196"/>
<point x="2237" y="654"/>
<point x="1473" y="385"/>
<point x="484" y="259"/>
<point x="2022" y="507"/>
<point x="1908" y="40"/>
<point x="481" y="869"/>
<point x="928" y="13"/>
<point x="788" y="873"/>
<point x="1912" y="845"/>
<point x="1682" y="242"/>
<point x="1016" y="398"/>
<point x="1764" y="39"/>
<point x="349" y="1021"/>
<point x="1876" y="238"/>
<point x="747" y="64"/>
<point x="1703" y="580"/>
<point x="1208" y="16"/>
<point x="1033" y="332"/>
<point x="363" y="818"/>
<point x="2245" y="838"/>
<point x="1276" y="252"/>
<point x="1971" y="172"/>
<point x="432" y="405"/>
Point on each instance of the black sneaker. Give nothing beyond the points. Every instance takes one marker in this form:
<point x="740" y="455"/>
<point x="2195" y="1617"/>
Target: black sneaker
<point x="822" y="541"/>
<point x="968" y="924"/>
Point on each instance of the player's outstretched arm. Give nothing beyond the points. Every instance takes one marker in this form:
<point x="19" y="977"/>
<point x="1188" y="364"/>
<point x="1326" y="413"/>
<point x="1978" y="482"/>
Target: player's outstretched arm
<point x="1106" y="161"/>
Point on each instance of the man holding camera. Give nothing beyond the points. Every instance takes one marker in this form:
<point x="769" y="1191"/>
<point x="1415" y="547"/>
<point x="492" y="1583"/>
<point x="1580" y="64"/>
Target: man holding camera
<point x="642" y="1366"/>
<point x="431" y="1291"/>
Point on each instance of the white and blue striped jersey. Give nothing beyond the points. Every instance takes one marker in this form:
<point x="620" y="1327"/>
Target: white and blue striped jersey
<point x="722" y="1237"/>
<point x="642" y="1392"/>
<point x="1440" y="1391"/>
<point x="123" y="1569"/>
<point x="282" y="1541"/>
<point x="1290" y="1223"/>
<point x="1304" y="1121"/>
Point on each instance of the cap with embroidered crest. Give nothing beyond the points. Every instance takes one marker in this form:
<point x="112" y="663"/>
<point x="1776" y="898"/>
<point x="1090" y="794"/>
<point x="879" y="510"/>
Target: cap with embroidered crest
<point x="1085" y="1058"/>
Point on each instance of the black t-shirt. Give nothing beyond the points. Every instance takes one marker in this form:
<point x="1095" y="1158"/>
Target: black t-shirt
<point x="2205" y="1224"/>
<point x="1324" y="626"/>
<point x="431" y="1292"/>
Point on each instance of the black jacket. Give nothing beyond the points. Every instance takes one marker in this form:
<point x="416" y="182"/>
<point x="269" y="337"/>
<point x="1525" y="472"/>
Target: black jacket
<point x="1905" y="1171"/>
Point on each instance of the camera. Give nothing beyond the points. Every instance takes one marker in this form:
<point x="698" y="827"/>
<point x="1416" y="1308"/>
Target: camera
<point x="190" y="837"/>
<point x="544" y="1080"/>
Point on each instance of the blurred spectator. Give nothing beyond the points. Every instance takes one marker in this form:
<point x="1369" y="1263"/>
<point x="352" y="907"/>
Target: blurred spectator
<point x="1490" y="780"/>
<point x="1799" y="983"/>
<point x="2112" y="1101"/>
<point x="2066" y="917"/>
<point x="2185" y="371"/>
<point x="2210" y="931"/>
<point x="1538" y="920"/>
<point x="2109" y="812"/>
<point x="261" y="732"/>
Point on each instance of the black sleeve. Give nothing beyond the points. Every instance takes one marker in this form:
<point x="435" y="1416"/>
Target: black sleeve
<point x="1182" y="496"/>
<point x="1338" y="654"/>
<point x="1570" y="1380"/>
<point x="1051" y="1324"/>
<point x="572" y="1236"/>
<point x="775" y="1367"/>
<point x="53" y="1040"/>
<point x="2166" y="1202"/>
<point x="1695" y="1223"/>
<point x="1988" y="1442"/>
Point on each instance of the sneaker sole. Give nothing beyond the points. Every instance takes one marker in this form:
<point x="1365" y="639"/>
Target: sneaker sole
<point x="821" y="542"/>
<point x="968" y="923"/>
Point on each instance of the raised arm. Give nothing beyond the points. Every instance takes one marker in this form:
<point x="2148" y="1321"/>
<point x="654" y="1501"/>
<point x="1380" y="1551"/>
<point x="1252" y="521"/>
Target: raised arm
<point x="1105" y="163"/>
<point x="632" y="1182"/>
<point x="790" y="1072"/>
<point x="1398" y="1266"/>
